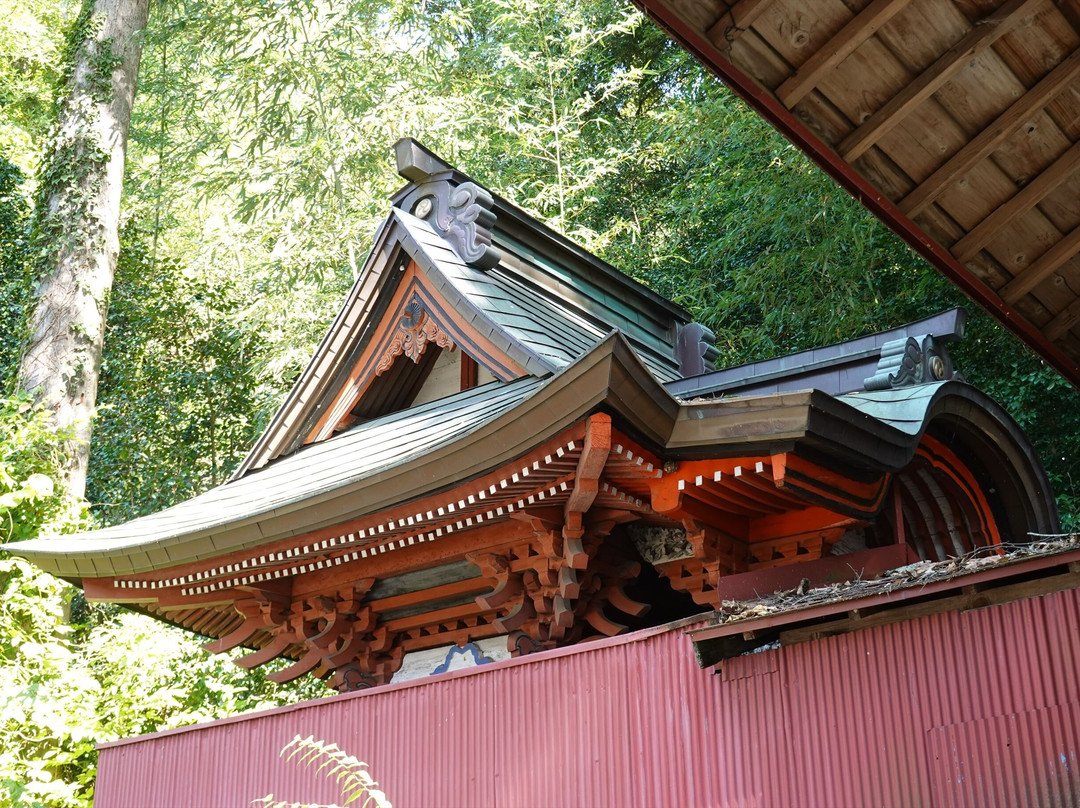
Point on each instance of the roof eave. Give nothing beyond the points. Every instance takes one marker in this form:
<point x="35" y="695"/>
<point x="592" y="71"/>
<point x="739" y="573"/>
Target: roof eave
<point x="857" y="186"/>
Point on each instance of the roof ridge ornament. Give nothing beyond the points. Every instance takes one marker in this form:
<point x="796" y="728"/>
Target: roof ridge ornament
<point x="909" y="361"/>
<point x="457" y="208"/>
<point x="695" y="350"/>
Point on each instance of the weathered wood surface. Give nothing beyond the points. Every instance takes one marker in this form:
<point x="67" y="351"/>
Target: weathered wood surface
<point x="964" y="113"/>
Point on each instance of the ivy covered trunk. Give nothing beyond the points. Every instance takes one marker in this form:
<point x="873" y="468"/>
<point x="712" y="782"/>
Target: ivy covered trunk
<point x="76" y="238"/>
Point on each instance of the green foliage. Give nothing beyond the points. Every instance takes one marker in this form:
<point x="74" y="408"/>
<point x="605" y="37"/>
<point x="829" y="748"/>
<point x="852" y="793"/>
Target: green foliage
<point x="46" y="707"/>
<point x="259" y="165"/>
<point x="31" y="39"/>
<point x="1038" y="398"/>
<point x="31" y="490"/>
<point x="177" y="388"/>
<point x="68" y="683"/>
<point x="16" y="284"/>
<point x="350" y="774"/>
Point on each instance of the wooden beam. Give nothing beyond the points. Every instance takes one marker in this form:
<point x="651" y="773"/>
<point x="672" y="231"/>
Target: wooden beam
<point x="238" y="636"/>
<point x="274" y="648"/>
<point x="469" y="586"/>
<point x="1064" y="322"/>
<point x="982" y="35"/>
<point x="1043" y="267"/>
<point x="596" y="618"/>
<point x="797" y="523"/>
<point x="1030" y="195"/>
<point x="594" y="456"/>
<point x="983" y="144"/>
<point x="431" y="618"/>
<point x="736" y="20"/>
<point x="415" y="557"/>
<point x="863" y="26"/>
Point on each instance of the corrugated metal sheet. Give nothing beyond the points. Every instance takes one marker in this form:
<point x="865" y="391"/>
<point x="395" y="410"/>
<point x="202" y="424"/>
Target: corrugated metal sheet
<point x="979" y="708"/>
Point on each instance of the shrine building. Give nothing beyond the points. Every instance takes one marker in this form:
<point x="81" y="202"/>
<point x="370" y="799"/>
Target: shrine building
<point x="504" y="448"/>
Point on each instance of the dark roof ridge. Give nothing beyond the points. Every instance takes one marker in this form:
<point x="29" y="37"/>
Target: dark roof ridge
<point x="419" y="164"/>
<point x="836" y="369"/>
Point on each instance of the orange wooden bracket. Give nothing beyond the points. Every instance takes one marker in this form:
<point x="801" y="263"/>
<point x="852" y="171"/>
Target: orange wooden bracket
<point x="590" y="466"/>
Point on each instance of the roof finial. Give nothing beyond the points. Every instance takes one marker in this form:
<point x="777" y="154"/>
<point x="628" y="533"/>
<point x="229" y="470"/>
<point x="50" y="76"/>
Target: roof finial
<point x="457" y="209"/>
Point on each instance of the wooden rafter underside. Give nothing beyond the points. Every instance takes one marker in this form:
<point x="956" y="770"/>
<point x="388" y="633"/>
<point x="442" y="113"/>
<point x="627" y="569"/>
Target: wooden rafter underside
<point x="957" y="122"/>
<point x="539" y="550"/>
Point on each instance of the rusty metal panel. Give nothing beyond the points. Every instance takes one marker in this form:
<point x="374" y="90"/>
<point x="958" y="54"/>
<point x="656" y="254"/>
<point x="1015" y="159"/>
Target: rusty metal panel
<point x="976" y="708"/>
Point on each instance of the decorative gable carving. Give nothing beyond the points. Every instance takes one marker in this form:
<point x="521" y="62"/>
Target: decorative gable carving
<point x="415" y="331"/>
<point x="416" y="318"/>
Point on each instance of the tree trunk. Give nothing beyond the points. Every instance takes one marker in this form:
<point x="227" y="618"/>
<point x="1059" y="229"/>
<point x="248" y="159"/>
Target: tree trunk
<point x="77" y="222"/>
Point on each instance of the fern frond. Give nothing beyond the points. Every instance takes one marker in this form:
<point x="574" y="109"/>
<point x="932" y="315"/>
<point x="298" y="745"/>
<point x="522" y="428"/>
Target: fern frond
<point x="330" y="760"/>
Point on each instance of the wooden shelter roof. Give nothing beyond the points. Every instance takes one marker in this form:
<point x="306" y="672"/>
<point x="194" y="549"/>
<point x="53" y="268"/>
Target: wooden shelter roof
<point x="531" y="296"/>
<point x="957" y="122"/>
<point x="393" y="460"/>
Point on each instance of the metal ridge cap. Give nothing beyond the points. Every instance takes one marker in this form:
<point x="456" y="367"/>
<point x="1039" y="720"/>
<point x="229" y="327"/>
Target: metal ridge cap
<point x="864" y="347"/>
<point x="419" y="164"/>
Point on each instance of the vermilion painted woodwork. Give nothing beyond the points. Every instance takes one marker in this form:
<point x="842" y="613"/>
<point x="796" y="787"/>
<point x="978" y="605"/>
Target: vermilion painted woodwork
<point x="548" y="574"/>
<point x="389" y="339"/>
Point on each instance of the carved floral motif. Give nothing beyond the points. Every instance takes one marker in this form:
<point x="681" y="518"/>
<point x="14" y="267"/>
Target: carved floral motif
<point x="414" y="332"/>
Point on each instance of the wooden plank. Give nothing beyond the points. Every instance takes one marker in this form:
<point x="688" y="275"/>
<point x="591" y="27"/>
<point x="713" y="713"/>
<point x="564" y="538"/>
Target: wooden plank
<point x="977" y="40"/>
<point x="736" y="20"/>
<point x="435" y="593"/>
<point x="1063" y="323"/>
<point x="1049" y="261"/>
<point x="983" y="144"/>
<point x="863" y="26"/>
<point x="1027" y="198"/>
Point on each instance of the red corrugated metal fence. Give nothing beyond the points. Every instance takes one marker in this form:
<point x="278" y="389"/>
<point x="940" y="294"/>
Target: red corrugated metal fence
<point x="980" y="708"/>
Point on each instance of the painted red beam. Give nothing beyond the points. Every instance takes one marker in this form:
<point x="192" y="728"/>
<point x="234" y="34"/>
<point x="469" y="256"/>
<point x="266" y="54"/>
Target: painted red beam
<point x="856" y="185"/>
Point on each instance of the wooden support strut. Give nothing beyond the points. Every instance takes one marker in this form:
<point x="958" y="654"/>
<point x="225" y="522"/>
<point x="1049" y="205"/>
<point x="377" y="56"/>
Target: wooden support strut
<point x="1029" y="196"/>
<point x="1042" y="268"/>
<point x="735" y="20"/>
<point x="863" y="26"/>
<point x="983" y="144"/>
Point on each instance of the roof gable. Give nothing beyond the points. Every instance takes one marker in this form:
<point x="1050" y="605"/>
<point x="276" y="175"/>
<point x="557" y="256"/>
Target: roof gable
<point x="454" y="268"/>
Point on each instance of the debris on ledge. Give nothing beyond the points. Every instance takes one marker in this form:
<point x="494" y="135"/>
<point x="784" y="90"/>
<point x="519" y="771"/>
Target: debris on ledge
<point x="984" y="578"/>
